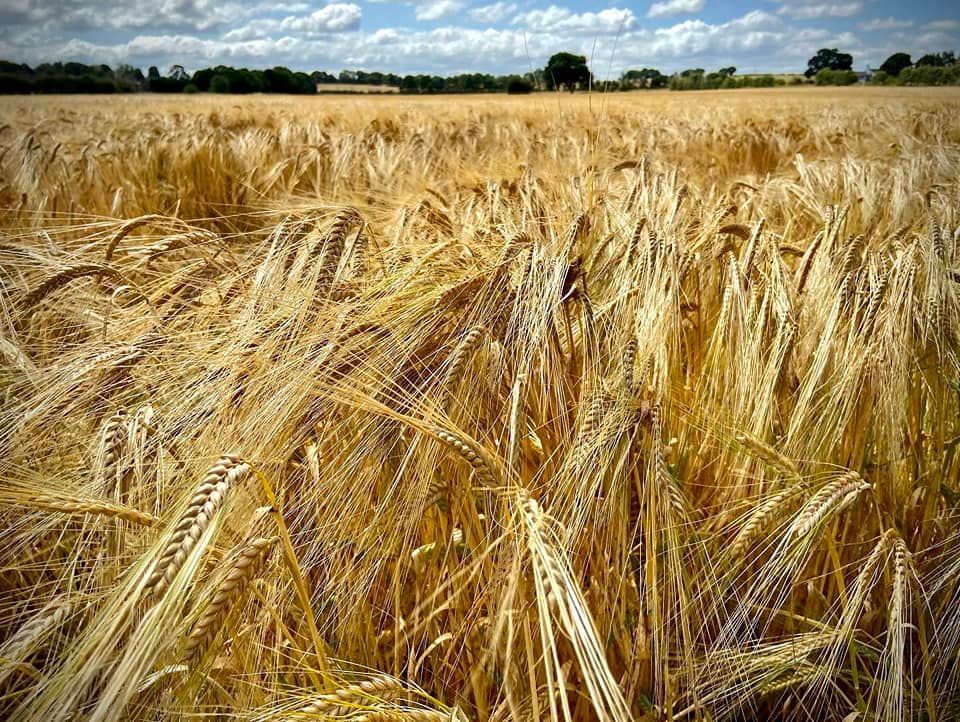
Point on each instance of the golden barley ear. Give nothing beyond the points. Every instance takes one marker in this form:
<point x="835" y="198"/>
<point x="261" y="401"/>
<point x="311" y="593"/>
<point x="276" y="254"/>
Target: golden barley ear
<point x="246" y="564"/>
<point x="229" y="471"/>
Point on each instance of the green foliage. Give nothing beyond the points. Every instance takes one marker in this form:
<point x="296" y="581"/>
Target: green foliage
<point x="643" y="78"/>
<point x="896" y="63"/>
<point x="190" y="89"/>
<point x="242" y="81"/>
<point x="836" y="77"/>
<point x="519" y="86"/>
<point x="567" y="71"/>
<point x="938" y="60"/>
<point x="930" y="75"/>
<point x="695" y="79"/>
<point x="219" y="84"/>
<point x="11" y="83"/>
<point x="828" y="59"/>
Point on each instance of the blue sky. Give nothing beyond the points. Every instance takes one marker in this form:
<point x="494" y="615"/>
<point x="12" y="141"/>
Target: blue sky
<point x="451" y="36"/>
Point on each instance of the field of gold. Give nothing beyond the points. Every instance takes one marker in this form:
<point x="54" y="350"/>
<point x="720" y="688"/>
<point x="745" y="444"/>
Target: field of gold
<point x="481" y="409"/>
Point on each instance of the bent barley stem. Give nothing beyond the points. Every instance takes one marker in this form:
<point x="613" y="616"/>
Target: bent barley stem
<point x="293" y="566"/>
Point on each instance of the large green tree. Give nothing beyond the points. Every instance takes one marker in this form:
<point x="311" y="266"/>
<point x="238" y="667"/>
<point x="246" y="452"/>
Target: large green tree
<point x="830" y="59"/>
<point x="566" y="70"/>
<point x="896" y="63"/>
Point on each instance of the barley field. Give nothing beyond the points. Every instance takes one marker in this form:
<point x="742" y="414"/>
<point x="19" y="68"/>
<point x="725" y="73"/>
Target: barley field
<point x="383" y="409"/>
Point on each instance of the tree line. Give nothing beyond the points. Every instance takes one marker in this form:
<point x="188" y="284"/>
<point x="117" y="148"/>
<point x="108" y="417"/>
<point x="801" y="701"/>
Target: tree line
<point x="564" y="71"/>
<point x="80" y="78"/>
<point x="831" y="67"/>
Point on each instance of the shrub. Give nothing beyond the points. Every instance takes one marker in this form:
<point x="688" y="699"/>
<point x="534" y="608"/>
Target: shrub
<point x="836" y="77"/>
<point x="930" y="75"/>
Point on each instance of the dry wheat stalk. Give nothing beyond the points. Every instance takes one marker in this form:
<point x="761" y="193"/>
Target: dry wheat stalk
<point x="129" y="227"/>
<point x="229" y="471"/>
<point x="458" y="361"/>
<point x="98" y="507"/>
<point x="473" y="454"/>
<point x="831" y="497"/>
<point x="25" y="641"/>
<point x="758" y="520"/>
<point x="769" y="455"/>
<point x="351" y="698"/>
<point x="665" y="479"/>
<point x="64" y="277"/>
<point x="113" y="439"/>
<point x="405" y="715"/>
<point x="333" y="246"/>
<point x="247" y="562"/>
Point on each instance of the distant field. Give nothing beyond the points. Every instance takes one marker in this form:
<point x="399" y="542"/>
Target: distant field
<point x="387" y="408"/>
<point x="355" y="88"/>
<point x="756" y="102"/>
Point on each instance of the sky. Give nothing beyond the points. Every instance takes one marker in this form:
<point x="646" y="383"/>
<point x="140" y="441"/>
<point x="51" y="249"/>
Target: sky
<point x="445" y="37"/>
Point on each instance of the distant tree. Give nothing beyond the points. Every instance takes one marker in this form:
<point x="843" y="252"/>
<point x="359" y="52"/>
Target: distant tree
<point x="643" y="78"/>
<point x="519" y="86"/>
<point x="938" y="60"/>
<point x="895" y="63"/>
<point x="830" y="59"/>
<point x="727" y="72"/>
<point x="565" y="70"/>
<point x="14" y="69"/>
<point x="129" y="77"/>
<point x="691" y="72"/>
<point x="153" y="73"/>
<point x="536" y="79"/>
<point x="219" y="84"/>
<point x="177" y="72"/>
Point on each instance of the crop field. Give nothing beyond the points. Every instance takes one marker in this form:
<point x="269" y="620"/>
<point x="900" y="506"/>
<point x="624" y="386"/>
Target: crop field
<point x="481" y="409"/>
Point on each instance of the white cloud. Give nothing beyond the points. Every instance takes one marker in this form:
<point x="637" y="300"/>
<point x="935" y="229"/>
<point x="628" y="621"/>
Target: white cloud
<point x="878" y="24"/>
<point x="331" y="18"/>
<point x="942" y="25"/>
<point x="755" y="42"/>
<point x="560" y="20"/>
<point x="90" y="15"/>
<point x="438" y="9"/>
<point x="674" y="7"/>
<point x="810" y="11"/>
<point x="492" y="13"/>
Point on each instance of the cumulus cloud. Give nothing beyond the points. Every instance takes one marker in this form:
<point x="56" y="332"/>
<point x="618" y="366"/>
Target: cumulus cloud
<point x="878" y="24"/>
<point x="438" y="9"/>
<point x="492" y="13"/>
<point x="332" y="18"/>
<point x="334" y="36"/>
<point x="90" y="15"/>
<point x="560" y="20"/>
<point x="674" y="7"/>
<point x="811" y="11"/>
